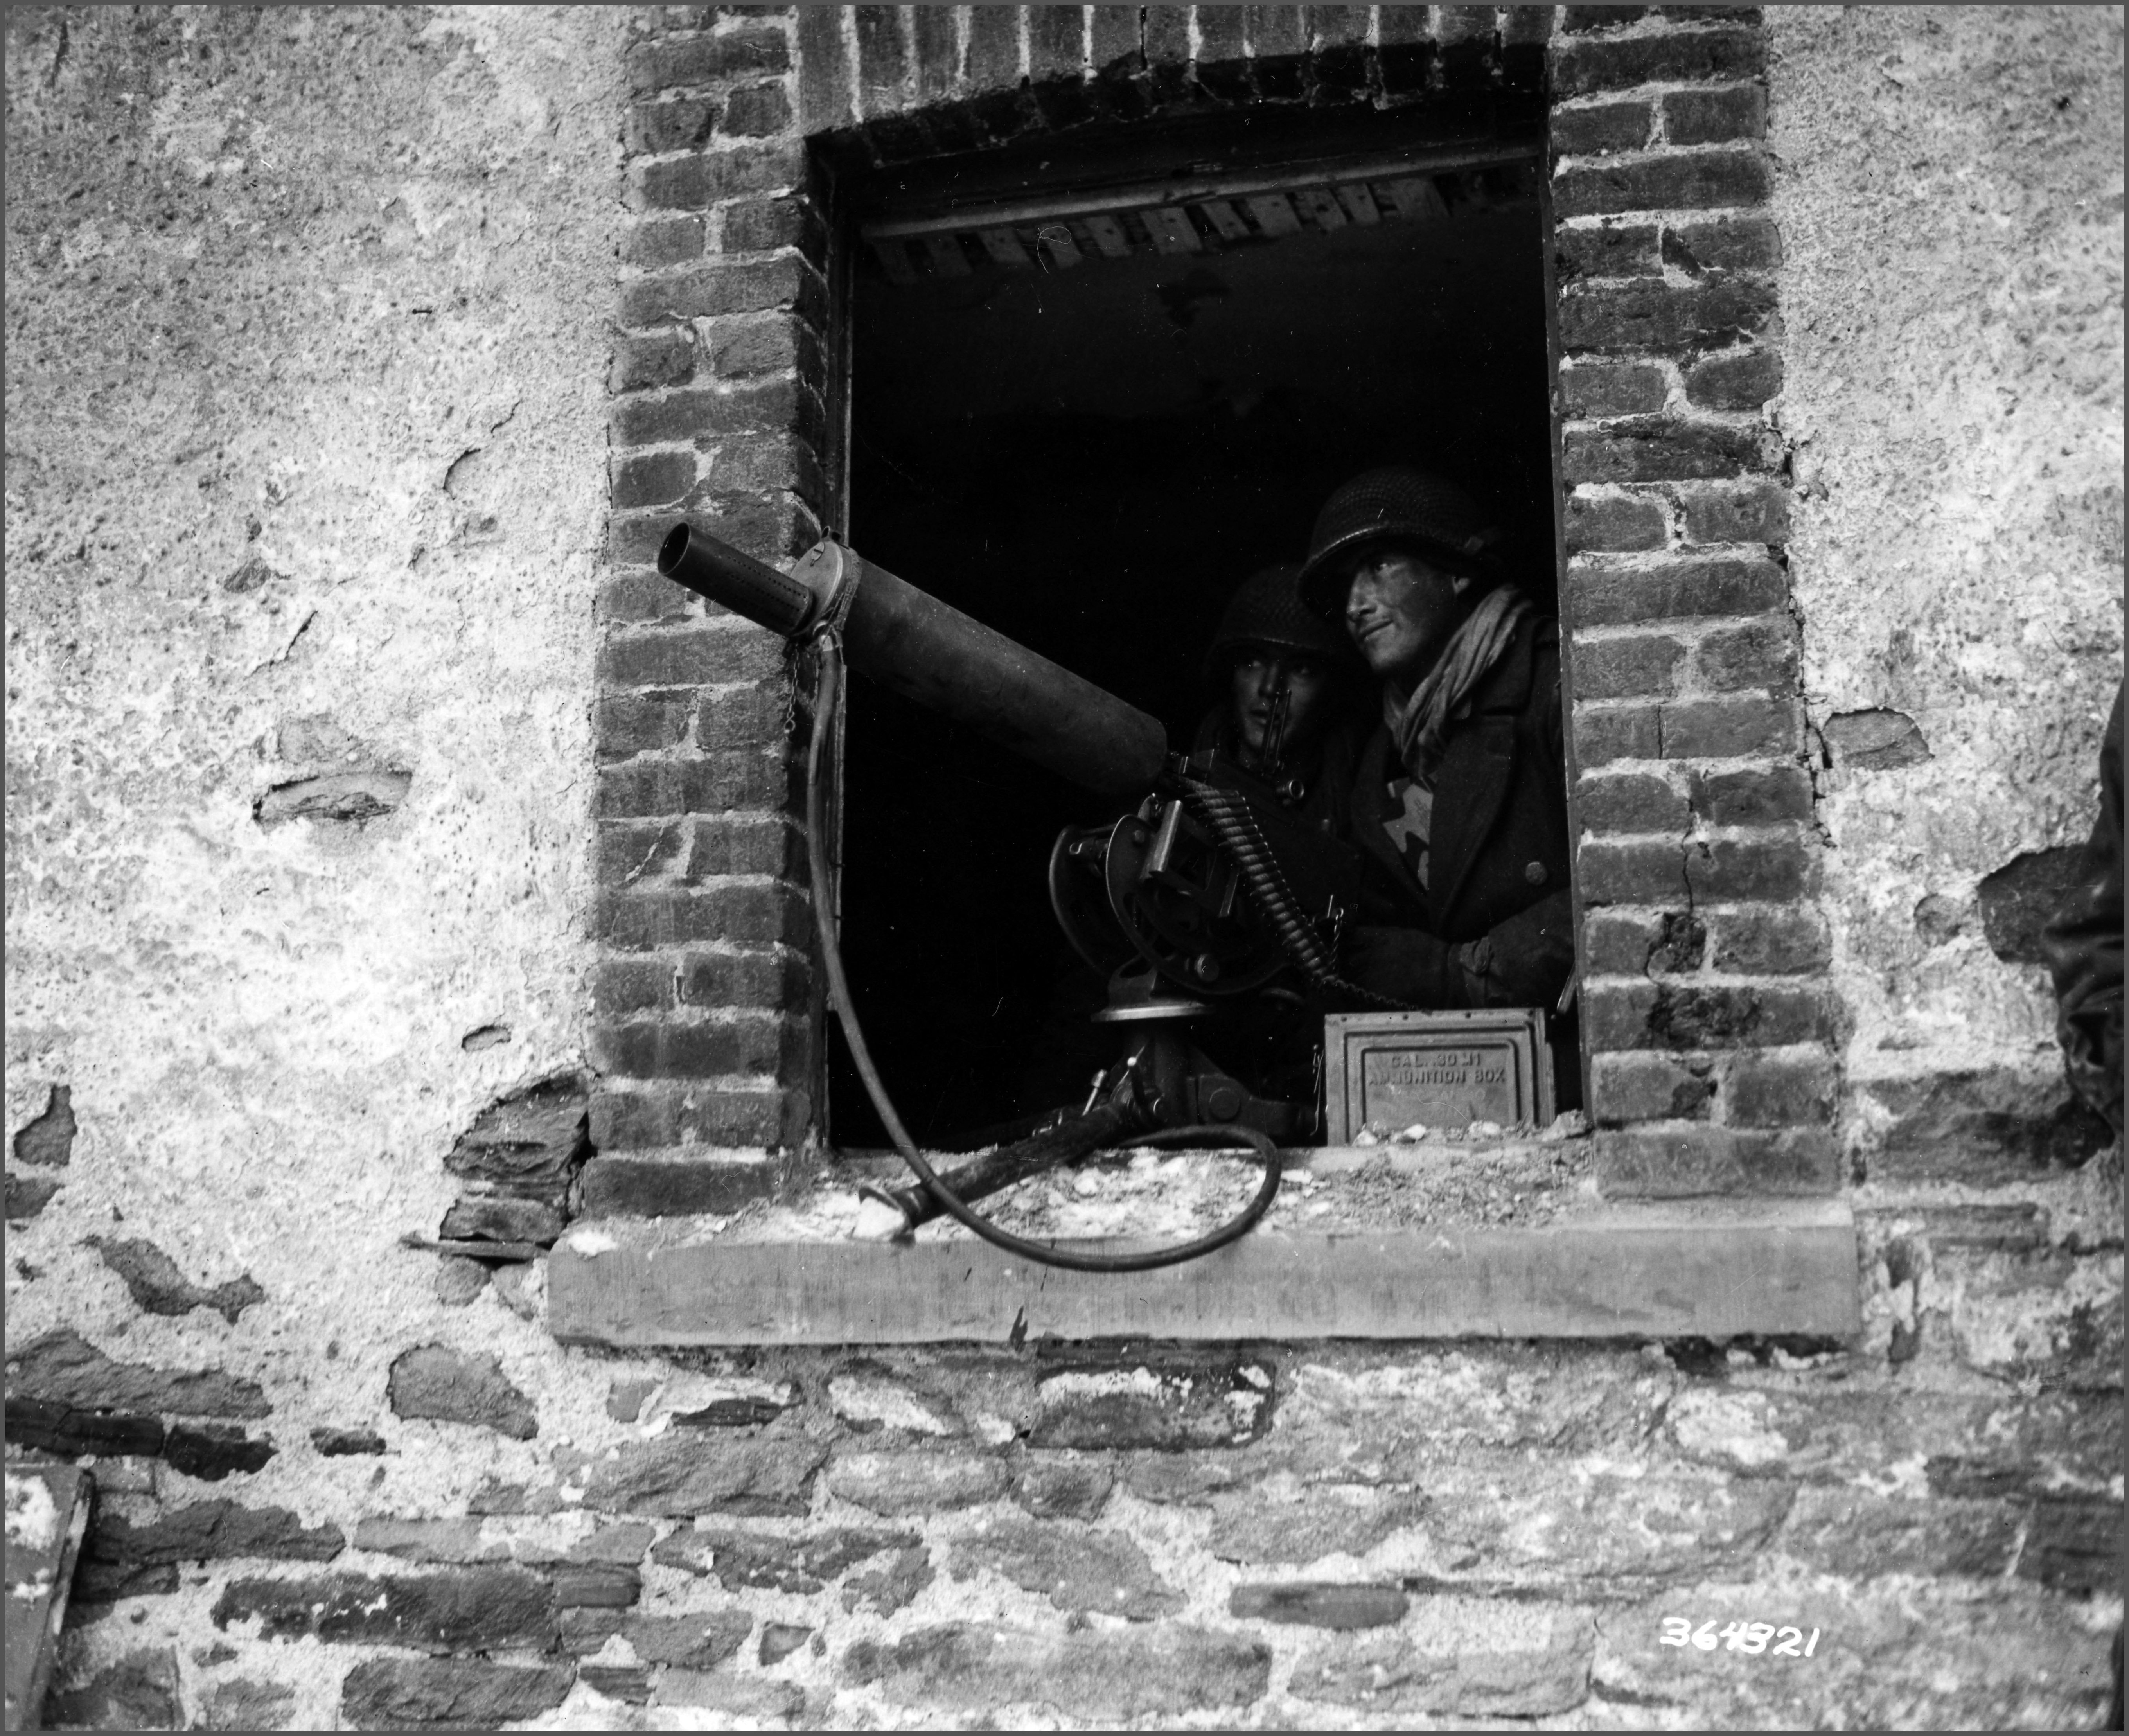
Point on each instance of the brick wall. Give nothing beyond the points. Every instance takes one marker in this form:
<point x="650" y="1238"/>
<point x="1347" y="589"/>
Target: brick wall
<point x="1707" y="1009"/>
<point x="705" y="1014"/>
<point x="1709" y="1015"/>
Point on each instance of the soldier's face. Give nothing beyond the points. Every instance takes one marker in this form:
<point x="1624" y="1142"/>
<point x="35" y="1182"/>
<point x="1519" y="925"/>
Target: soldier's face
<point x="1258" y="673"/>
<point x="1402" y="612"/>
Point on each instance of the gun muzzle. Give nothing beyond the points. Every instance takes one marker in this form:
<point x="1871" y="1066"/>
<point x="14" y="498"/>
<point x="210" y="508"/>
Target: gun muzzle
<point x="933" y="654"/>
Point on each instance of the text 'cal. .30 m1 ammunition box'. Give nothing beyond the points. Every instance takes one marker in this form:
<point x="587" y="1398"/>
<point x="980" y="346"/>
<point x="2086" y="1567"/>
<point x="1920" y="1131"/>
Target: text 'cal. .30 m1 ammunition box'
<point x="1441" y="1070"/>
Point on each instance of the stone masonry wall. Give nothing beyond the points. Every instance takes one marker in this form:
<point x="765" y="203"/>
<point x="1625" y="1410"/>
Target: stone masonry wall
<point x="347" y="1485"/>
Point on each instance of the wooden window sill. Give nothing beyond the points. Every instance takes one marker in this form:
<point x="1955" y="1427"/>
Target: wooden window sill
<point x="1715" y="1269"/>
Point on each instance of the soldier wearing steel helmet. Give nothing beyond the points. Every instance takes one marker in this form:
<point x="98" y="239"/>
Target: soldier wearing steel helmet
<point x="1459" y="796"/>
<point x="1284" y="681"/>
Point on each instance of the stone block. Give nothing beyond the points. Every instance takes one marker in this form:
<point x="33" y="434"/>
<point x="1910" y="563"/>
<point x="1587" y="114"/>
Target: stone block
<point x="1320" y="1604"/>
<point x="212" y="1451"/>
<point x="893" y="1585"/>
<point x="980" y="1666"/>
<point x="894" y="1483"/>
<point x="138" y="1691"/>
<point x="1861" y="1535"/>
<point x="628" y="1683"/>
<point x="2074" y="1547"/>
<point x="27" y="1195"/>
<point x="1470" y="1662"/>
<point x="595" y="1586"/>
<point x="61" y="1367"/>
<point x="243" y="1704"/>
<point x="1254" y="1527"/>
<point x="683" y="1473"/>
<point x="1078" y="1570"/>
<point x="472" y="1609"/>
<point x="345" y="1443"/>
<point x="778" y="1641"/>
<point x="501" y="1217"/>
<point x="1169" y="1407"/>
<point x="1875" y="741"/>
<point x="1980" y="1127"/>
<point x="1062" y="1485"/>
<point x="453" y="1693"/>
<point x="435" y="1381"/>
<point x="528" y="1142"/>
<point x="802" y="1563"/>
<point x="203" y="1531"/>
<point x="47" y="1137"/>
<point x="752" y="1702"/>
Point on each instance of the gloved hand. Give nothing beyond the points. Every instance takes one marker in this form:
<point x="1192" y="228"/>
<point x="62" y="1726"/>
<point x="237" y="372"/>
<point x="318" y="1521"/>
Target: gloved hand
<point x="1406" y="964"/>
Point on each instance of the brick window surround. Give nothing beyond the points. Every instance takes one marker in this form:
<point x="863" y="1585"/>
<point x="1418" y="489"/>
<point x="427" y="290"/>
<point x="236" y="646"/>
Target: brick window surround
<point x="1709" y="1022"/>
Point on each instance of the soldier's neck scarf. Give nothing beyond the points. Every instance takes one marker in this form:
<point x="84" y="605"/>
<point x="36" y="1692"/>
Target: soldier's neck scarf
<point x="1419" y="722"/>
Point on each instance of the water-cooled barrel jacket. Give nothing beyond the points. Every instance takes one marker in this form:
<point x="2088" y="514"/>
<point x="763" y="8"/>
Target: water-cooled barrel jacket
<point x="2084" y="947"/>
<point x="1498" y="848"/>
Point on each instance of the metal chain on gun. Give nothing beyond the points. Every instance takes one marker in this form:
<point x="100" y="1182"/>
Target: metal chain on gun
<point x="1232" y="823"/>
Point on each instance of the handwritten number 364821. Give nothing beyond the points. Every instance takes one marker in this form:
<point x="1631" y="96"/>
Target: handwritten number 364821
<point x="1748" y="1636"/>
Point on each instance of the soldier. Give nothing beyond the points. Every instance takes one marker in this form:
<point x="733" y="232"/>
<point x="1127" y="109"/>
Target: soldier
<point x="1286" y="680"/>
<point x="1459" y="795"/>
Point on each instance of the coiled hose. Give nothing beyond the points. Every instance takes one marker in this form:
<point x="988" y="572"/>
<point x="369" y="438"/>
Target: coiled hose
<point x="1229" y="817"/>
<point x="827" y="698"/>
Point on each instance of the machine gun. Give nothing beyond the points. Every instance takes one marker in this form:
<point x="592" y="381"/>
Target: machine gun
<point x="1206" y="891"/>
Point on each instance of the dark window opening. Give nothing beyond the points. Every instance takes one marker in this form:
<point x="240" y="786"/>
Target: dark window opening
<point x="1085" y="425"/>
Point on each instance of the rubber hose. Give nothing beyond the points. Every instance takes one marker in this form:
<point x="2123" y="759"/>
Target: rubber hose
<point x="827" y="699"/>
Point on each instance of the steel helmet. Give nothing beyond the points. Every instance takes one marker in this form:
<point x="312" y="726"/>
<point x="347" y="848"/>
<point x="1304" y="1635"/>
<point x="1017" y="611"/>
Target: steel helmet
<point x="1396" y="503"/>
<point x="1266" y="609"/>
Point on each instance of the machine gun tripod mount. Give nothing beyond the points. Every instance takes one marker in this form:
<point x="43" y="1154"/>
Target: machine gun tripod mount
<point x="1203" y="893"/>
